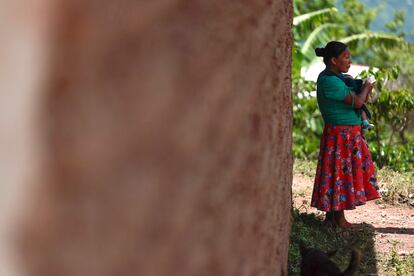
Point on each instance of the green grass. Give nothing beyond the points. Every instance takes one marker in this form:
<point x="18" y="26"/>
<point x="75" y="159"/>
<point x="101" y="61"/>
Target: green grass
<point x="314" y="233"/>
<point x="396" y="188"/>
<point x="394" y="264"/>
<point x="304" y="167"/>
<point x="310" y="229"/>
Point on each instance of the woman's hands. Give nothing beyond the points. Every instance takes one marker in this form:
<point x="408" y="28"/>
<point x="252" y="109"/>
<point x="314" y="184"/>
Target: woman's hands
<point x="368" y="86"/>
<point x="357" y="101"/>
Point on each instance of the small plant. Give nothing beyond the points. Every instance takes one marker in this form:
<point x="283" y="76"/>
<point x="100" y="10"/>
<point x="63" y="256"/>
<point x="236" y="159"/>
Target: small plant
<point x="304" y="167"/>
<point x="399" y="265"/>
<point x="394" y="262"/>
<point x="395" y="187"/>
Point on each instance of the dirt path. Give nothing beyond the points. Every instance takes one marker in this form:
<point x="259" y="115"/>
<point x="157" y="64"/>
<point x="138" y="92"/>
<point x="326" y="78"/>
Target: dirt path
<point x="392" y="224"/>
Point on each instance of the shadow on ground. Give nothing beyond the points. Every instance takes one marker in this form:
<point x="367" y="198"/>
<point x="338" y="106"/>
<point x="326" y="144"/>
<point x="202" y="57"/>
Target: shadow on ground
<point x="311" y="229"/>
<point x="395" y="230"/>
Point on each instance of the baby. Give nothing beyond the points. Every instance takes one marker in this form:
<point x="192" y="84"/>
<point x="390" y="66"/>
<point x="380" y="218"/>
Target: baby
<point x="356" y="85"/>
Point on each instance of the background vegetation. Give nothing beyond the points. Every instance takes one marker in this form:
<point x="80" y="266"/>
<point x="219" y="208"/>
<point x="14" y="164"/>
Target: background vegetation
<point x="390" y="53"/>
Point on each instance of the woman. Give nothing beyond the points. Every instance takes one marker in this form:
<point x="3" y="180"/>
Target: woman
<point x="345" y="176"/>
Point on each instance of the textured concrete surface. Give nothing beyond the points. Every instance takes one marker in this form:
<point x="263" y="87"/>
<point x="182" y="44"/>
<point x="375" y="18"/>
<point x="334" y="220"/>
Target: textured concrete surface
<point x="165" y="133"/>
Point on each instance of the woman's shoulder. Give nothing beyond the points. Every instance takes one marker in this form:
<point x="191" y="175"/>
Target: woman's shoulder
<point x="325" y="79"/>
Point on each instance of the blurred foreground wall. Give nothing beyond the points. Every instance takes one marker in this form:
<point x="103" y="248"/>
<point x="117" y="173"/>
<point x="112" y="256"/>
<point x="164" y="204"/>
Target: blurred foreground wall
<point x="145" y="137"/>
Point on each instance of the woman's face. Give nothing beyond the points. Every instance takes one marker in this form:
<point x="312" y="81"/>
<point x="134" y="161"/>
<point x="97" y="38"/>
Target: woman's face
<point x="342" y="62"/>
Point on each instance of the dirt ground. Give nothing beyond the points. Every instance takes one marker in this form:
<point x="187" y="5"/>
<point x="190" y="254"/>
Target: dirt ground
<point x="393" y="225"/>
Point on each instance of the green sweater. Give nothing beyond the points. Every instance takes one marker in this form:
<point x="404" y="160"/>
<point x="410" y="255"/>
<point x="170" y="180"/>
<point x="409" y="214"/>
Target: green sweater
<point x="331" y="92"/>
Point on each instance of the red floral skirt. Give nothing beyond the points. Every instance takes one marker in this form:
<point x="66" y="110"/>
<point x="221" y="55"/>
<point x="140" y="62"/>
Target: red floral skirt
<point x="345" y="176"/>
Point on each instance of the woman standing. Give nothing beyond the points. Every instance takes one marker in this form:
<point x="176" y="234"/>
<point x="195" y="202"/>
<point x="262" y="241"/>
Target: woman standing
<point x="345" y="176"/>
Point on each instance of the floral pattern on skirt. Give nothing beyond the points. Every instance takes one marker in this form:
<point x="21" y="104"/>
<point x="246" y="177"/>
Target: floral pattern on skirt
<point x="345" y="175"/>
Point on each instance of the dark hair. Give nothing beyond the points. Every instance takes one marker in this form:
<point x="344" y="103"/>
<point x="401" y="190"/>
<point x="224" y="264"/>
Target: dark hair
<point x="332" y="49"/>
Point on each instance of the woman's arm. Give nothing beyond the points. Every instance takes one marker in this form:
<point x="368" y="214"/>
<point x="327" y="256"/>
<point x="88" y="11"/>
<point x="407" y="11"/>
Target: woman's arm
<point x="358" y="100"/>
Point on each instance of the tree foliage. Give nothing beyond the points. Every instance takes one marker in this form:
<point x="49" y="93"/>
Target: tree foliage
<point x="392" y="103"/>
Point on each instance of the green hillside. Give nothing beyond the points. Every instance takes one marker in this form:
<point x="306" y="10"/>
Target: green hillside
<point x="387" y="14"/>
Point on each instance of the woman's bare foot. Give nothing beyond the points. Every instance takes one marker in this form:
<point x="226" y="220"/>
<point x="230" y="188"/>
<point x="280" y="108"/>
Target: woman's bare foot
<point x="329" y="218"/>
<point x="340" y="220"/>
<point x="345" y="225"/>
